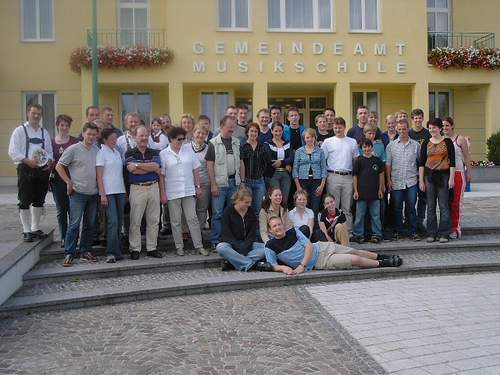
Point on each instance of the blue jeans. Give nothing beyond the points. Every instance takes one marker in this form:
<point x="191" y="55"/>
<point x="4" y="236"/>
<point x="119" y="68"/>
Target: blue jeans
<point x="314" y="201"/>
<point x="81" y="206"/>
<point x="438" y="192"/>
<point x="409" y="197"/>
<point x="258" y="189"/>
<point x="421" y="206"/>
<point x="114" y="219"/>
<point x="239" y="261"/>
<point x="60" y="194"/>
<point x="219" y="203"/>
<point x="282" y="181"/>
<point x="359" y="223"/>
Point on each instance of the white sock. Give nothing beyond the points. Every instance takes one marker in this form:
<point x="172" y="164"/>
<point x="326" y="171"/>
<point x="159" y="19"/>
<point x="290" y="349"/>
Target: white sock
<point x="36" y="214"/>
<point x="25" y="219"/>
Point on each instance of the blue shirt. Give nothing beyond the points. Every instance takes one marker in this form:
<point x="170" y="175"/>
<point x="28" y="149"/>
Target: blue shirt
<point x="294" y="255"/>
<point x="305" y="162"/>
<point x="135" y="156"/>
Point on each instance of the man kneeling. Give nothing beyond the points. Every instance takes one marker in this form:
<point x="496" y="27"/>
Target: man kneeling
<point x="298" y="254"/>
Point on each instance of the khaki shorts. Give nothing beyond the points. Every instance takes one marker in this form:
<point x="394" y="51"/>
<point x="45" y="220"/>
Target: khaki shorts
<point x="333" y="256"/>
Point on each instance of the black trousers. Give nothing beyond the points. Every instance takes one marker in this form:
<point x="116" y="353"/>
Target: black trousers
<point x="32" y="186"/>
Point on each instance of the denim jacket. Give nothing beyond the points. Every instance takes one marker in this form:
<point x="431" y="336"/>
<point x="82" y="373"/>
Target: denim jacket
<point x="316" y="161"/>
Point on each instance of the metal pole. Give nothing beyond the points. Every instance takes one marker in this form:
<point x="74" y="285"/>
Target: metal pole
<point x="95" y="61"/>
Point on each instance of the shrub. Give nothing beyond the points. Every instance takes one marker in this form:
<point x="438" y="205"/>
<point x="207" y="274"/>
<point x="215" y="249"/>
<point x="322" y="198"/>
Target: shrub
<point x="493" y="144"/>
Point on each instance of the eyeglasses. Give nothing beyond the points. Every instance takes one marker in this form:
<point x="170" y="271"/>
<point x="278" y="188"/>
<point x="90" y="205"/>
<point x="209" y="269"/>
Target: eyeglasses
<point x="180" y="139"/>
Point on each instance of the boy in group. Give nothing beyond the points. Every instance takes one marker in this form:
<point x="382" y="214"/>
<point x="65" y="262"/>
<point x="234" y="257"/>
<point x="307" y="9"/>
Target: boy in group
<point x="369" y="187"/>
<point x="340" y="152"/>
<point x="330" y="116"/>
<point x="419" y="134"/>
<point x="322" y="129"/>
<point x="275" y="113"/>
<point x="297" y="254"/>
<point x="293" y="132"/>
<point x="263" y="118"/>
<point x="356" y="131"/>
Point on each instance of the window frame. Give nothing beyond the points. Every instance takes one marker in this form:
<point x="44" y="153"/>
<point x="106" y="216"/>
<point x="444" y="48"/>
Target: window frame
<point x="214" y="122"/>
<point x="315" y="29"/>
<point x="136" y="94"/>
<point x="38" y="39"/>
<point x="363" y="29"/>
<point x="146" y="5"/>
<point x="436" y="93"/>
<point x="435" y="11"/>
<point x="39" y="94"/>
<point x="233" y="18"/>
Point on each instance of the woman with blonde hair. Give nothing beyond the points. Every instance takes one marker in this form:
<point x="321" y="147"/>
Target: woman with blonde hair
<point x="187" y="123"/>
<point x="239" y="227"/>
<point x="200" y="148"/>
<point x="309" y="170"/>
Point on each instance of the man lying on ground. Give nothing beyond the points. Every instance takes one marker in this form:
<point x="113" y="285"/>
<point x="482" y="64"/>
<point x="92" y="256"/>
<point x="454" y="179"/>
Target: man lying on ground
<point x="297" y="254"/>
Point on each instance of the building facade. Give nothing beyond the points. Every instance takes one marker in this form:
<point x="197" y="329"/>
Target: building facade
<point x="309" y="54"/>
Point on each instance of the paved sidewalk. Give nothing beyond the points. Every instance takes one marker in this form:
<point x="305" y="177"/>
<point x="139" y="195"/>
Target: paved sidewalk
<point x="426" y="325"/>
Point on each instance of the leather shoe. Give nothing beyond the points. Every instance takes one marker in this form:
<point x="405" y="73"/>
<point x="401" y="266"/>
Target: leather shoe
<point x="263" y="267"/>
<point x="134" y="255"/>
<point x="28" y="237"/>
<point x="226" y="266"/>
<point x="39" y="234"/>
<point x="155" y="254"/>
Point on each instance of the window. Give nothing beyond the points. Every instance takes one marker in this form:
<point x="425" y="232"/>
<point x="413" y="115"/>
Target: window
<point x="438" y="22"/>
<point x="37" y="20"/>
<point x="213" y="105"/>
<point x="299" y="15"/>
<point x="439" y="104"/>
<point x="134" y="22"/>
<point x="363" y="15"/>
<point x="48" y="103"/>
<point x="234" y="14"/>
<point x="367" y="98"/>
<point x="139" y="102"/>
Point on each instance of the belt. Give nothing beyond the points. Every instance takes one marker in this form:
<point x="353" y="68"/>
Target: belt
<point x="146" y="183"/>
<point x="280" y="169"/>
<point x="342" y="173"/>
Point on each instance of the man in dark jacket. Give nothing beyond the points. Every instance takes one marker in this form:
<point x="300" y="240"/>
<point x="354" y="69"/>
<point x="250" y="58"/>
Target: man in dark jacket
<point x="239" y="228"/>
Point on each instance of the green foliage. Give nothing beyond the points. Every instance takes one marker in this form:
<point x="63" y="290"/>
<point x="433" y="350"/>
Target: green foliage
<point x="493" y="144"/>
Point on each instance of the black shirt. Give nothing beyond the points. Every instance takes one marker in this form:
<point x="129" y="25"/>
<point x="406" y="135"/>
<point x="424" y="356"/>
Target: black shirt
<point x="421" y="136"/>
<point x="282" y="244"/>
<point x="255" y="160"/>
<point x="228" y="143"/>
<point x="295" y="140"/>
<point x="331" y="220"/>
<point x="368" y="170"/>
<point x="321" y="137"/>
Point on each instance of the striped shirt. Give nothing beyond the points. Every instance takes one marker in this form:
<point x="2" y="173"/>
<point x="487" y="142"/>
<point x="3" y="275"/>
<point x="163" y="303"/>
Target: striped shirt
<point x="403" y="160"/>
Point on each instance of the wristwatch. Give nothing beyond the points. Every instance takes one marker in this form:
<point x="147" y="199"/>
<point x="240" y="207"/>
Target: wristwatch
<point x="197" y="186"/>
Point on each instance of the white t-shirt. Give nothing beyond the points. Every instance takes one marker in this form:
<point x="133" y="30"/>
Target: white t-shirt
<point x="177" y="170"/>
<point x="297" y="220"/>
<point x="112" y="176"/>
<point x="339" y="153"/>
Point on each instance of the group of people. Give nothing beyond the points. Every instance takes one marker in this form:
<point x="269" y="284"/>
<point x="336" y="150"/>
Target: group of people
<point x="280" y="197"/>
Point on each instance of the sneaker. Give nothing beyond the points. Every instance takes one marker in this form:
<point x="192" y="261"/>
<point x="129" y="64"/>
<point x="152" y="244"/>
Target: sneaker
<point x="356" y="239"/>
<point x="389" y="262"/>
<point x="39" y="234"/>
<point x="134" y="255"/>
<point x="110" y="259"/>
<point x="398" y="261"/>
<point x="444" y="239"/>
<point x="68" y="261"/>
<point x="88" y="257"/>
<point x="165" y="231"/>
<point x="430" y="239"/>
<point x="203" y="251"/>
<point x="414" y="237"/>
<point x="375" y="239"/>
<point x="180" y="252"/>
<point x="453" y="236"/>
<point x="226" y="266"/>
<point x="28" y="237"/>
<point x="155" y="254"/>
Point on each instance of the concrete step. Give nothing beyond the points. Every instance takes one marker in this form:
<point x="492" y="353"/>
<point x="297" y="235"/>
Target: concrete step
<point x="53" y="294"/>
